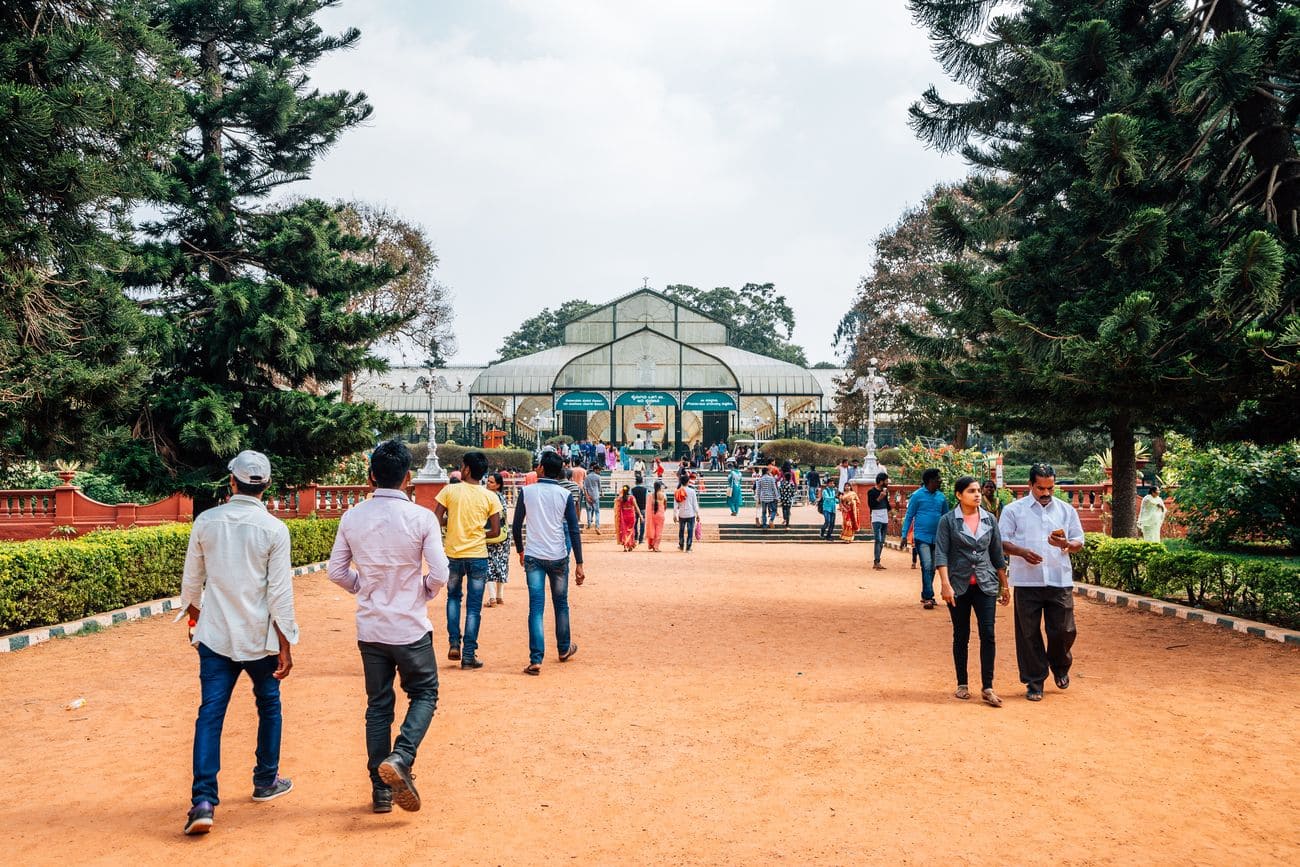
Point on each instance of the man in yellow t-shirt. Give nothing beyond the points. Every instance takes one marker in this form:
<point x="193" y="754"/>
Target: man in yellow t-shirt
<point x="470" y="513"/>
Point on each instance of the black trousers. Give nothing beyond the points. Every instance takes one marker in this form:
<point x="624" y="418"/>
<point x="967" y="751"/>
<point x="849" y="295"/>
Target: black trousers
<point x="418" y="667"/>
<point x="1053" y="608"/>
<point x="986" y="613"/>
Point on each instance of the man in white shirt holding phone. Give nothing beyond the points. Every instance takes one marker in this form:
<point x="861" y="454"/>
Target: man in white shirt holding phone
<point x="1039" y="532"/>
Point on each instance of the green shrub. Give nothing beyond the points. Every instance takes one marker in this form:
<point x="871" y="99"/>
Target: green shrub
<point x="52" y="581"/>
<point x="1121" y="563"/>
<point x="1084" y="561"/>
<point x="450" y="455"/>
<point x="804" y="452"/>
<point x="1253" y="587"/>
<point x="1239" y="492"/>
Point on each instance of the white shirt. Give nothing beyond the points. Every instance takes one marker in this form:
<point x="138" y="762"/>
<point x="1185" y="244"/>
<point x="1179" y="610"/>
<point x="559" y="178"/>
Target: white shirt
<point x="238" y="574"/>
<point x="844" y="479"/>
<point x="1027" y="524"/>
<point x="544" y="508"/>
<point x="390" y="540"/>
<point x="689" y="507"/>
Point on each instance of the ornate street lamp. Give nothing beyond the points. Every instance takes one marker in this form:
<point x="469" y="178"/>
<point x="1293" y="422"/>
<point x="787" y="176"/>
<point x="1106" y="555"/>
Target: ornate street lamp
<point x="431" y="385"/>
<point x="871" y="385"/>
<point x="541" y="419"/>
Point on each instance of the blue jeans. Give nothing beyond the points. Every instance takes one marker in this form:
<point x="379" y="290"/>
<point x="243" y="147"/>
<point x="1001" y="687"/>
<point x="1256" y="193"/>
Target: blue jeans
<point x="593" y="512"/>
<point x="685" y="533"/>
<point x="476" y="570"/>
<point x="217" y="676"/>
<point x="878" y="530"/>
<point x="538" y="573"/>
<point x="768" y="510"/>
<point x="828" y="525"/>
<point x="926" y="550"/>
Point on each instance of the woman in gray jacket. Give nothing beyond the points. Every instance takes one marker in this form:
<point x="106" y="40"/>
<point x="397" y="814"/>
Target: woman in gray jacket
<point x="972" y="573"/>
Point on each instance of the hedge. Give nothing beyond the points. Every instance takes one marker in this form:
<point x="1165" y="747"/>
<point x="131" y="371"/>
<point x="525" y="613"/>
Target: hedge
<point x="450" y="455"/>
<point x="805" y="452"/>
<point x="44" y="582"/>
<point x="1251" y="587"/>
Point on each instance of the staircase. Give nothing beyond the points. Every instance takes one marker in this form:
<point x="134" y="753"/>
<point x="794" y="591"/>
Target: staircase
<point x="804" y="533"/>
<point x="714" y="484"/>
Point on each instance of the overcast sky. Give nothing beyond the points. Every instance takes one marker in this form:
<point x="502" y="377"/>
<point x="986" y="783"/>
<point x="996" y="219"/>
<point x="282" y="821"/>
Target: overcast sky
<point x="558" y="149"/>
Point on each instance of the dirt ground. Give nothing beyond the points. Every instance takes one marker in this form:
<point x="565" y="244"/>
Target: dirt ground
<point x="745" y="704"/>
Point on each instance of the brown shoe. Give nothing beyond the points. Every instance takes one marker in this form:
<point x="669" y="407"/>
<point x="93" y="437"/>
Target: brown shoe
<point x="454" y="653"/>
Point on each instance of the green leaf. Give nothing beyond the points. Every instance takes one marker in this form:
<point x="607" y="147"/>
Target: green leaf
<point x="1114" y="152"/>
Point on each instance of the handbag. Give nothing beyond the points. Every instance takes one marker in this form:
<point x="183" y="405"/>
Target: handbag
<point x="699" y="530"/>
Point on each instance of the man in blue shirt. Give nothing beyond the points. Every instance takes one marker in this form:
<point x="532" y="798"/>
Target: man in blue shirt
<point x="924" y="509"/>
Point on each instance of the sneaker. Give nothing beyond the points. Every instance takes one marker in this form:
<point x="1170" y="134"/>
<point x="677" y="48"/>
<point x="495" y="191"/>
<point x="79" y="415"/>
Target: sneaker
<point x="397" y="774"/>
<point x="200" y="818"/>
<point x="454" y="653"/>
<point x="281" y="786"/>
<point x="568" y="654"/>
<point x="471" y="663"/>
<point x="381" y="799"/>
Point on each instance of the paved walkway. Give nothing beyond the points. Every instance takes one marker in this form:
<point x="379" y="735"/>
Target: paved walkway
<point x="745" y="704"/>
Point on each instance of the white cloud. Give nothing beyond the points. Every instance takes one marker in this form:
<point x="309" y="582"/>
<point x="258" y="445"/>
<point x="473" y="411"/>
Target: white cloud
<point x="568" y="148"/>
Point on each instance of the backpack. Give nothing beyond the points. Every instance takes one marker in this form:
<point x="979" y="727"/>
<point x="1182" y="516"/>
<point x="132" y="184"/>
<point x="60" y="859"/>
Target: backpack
<point x="680" y="495"/>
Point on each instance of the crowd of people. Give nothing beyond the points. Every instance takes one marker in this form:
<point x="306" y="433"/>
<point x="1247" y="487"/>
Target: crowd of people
<point x="395" y="557"/>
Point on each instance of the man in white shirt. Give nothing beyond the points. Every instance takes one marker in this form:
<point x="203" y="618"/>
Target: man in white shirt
<point x="380" y="553"/>
<point x="687" y="512"/>
<point x="551" y="516"/>
<point x="237" y="589"/>
<point x="1039" y="532"/>
<point x="845" y="475"/>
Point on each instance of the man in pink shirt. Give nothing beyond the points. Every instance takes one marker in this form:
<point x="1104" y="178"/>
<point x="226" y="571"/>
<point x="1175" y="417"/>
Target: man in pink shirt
<point x="379" y="554"/>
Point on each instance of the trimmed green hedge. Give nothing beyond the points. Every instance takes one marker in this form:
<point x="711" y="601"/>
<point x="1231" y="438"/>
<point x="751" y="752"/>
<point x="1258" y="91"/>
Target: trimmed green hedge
<point x="450" y="455"/>
<point x="44" y="582"/>
<point x="1251" y="587"/>
<point x="803" y="452"/>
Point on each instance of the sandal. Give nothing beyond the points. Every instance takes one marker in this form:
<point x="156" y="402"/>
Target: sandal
<point x="1063" y="682"/>
<point x="534" y="670"/>
<point x="1033" y="695"/>
<point x="963" y="693"/>
<point x="928" y="604"/>
<point x="991" y="698"/>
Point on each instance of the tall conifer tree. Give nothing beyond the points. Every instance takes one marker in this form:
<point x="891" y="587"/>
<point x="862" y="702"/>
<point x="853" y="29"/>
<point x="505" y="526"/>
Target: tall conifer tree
<point x="86" y="104"/>
<point x="1136" y="219"/>
<point x="251" y="300"/>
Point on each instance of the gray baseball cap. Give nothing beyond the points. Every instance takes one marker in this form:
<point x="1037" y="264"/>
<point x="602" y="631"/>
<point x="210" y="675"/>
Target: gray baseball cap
<point x="251" y="468"/>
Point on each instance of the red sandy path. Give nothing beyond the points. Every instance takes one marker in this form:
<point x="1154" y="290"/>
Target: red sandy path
<point x="748" y="704"/>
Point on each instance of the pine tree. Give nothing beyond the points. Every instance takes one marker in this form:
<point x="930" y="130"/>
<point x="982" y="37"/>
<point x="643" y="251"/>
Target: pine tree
<point x="1132" y="267"/>
<point x="251" y="302"/>
<point x="85" y="104"/>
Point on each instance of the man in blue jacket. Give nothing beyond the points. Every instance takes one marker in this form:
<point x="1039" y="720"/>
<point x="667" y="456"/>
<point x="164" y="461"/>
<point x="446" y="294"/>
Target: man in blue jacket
<point x="924" y="509"/>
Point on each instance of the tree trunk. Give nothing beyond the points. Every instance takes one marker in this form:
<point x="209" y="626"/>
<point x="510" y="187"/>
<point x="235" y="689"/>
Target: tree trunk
<point x="1123" y="461"/>
<point x="962" y="435"/>
<point x="217" y="230"/>
<point x="1159" y="447"/>
<point x="345" y="391"/>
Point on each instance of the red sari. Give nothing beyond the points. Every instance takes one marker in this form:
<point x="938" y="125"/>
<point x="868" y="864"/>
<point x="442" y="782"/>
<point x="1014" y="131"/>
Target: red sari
<point x="625" y="521"/>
